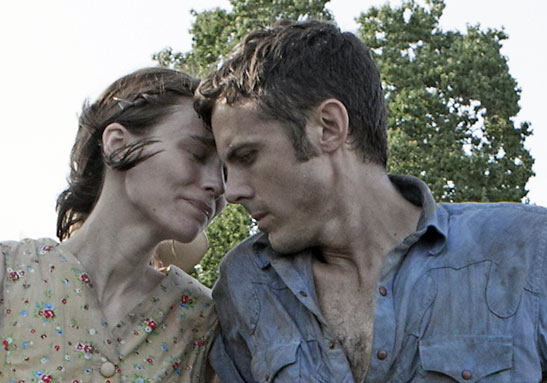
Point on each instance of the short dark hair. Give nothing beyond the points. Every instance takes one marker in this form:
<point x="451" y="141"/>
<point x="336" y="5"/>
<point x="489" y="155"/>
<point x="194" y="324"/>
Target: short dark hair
<point x="290" y="68"/>
<point x="138" y="101"/>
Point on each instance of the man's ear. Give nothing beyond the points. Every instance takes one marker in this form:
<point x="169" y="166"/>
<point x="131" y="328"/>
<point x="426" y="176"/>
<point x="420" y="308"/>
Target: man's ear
<point x="332" y="118"/>
<point x="115" y="135"/>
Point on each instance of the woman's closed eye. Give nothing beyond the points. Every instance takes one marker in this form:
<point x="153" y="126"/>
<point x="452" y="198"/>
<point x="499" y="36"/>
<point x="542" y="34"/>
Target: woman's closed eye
<point x="199" y="155"/>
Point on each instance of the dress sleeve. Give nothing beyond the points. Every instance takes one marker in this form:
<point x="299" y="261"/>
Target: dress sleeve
<point x="2" y="271"/>
<point x="5" y="248"/>
<point x="542" y="327"/>
<point x="200" y="368"/>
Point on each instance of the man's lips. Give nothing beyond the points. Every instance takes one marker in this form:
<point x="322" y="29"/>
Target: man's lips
<point x="263" y="220"/>
<point x="258" y="216"/>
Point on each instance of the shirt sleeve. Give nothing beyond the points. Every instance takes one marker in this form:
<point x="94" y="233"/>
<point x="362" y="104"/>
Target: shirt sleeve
<point x="223" y="363"/>
<point x="230" y="356"/>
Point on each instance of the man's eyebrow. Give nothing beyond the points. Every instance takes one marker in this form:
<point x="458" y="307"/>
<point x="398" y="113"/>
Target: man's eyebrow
<point x="209" y="141"/>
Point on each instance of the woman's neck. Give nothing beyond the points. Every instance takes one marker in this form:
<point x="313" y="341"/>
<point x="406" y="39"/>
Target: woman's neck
<point x="116" y="253"/>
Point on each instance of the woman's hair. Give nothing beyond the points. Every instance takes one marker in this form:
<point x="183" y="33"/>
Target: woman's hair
<point x="138" y="101"/>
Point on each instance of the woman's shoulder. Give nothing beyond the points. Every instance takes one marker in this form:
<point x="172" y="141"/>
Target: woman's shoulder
<point x="25" y="248"/>
<point x="26" y="244"/>
<point x="179" y="279"/>
<point x="16" y="255"/>
<point x="193" y="299"/>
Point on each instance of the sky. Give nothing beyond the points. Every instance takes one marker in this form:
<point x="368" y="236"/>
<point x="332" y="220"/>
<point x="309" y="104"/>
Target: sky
<point x="57" y="53"/>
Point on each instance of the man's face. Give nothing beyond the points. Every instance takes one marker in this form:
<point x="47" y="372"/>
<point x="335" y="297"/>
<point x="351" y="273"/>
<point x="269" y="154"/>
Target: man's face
<point x="283" y="195"/>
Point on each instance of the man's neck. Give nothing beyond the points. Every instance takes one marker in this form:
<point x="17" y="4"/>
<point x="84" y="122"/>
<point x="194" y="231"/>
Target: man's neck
<point x="372" y="220"/>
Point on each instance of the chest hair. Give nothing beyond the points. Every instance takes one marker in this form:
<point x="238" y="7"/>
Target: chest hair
<point x="350" y="316"/>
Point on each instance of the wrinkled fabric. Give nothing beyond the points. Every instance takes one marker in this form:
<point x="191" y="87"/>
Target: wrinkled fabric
<point x="466" y="302"/>
<point x="53" y="331"/>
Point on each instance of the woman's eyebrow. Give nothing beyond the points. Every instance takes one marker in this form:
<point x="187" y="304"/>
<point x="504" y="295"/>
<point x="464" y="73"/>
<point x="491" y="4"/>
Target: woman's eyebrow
<point x="209" y="141"/>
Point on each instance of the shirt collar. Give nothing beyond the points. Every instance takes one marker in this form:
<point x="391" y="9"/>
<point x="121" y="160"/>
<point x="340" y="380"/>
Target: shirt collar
<point x="262" y="250"/>
<point x="433" y="222"/>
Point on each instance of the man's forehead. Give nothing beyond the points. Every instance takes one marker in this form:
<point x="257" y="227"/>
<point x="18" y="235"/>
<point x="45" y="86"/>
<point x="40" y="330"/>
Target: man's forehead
<point x="247" y="106"/>
<point x="235" y="127"/>
<point x="229" y="120"/>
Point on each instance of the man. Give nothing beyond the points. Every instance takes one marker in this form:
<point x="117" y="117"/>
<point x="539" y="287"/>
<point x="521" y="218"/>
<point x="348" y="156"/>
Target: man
<point x="357" y="275"/>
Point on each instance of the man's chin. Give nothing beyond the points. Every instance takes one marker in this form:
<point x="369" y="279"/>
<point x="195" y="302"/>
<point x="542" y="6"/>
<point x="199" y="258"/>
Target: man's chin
<point x="285" y="246"/>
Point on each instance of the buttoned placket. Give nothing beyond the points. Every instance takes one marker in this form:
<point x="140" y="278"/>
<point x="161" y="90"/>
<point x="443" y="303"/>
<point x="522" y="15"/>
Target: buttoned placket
<point x="295" y="273"/>
<point x="384" y="332"/>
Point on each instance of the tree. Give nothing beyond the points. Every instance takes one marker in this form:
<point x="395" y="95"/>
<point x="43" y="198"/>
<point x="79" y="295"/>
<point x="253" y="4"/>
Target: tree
<point x="216" y="31"/>
<point x="450" y="97"/>
<point x="451" y="103"/>
<point x="226" y="231"/>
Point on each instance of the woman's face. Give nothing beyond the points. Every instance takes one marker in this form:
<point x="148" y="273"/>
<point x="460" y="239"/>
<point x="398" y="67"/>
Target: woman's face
<point x="179" y="190"/>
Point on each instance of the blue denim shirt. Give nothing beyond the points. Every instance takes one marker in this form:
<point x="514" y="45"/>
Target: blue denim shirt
<point x="463" y="300"/>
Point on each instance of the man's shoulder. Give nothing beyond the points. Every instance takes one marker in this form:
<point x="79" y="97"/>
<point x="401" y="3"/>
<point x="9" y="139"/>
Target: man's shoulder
<point x="499" y="216"/>
<point x="501" y="228"/>
<point x="511" y="236"/>
<point x="494" y="208"/>
<point x="507" y="241"/>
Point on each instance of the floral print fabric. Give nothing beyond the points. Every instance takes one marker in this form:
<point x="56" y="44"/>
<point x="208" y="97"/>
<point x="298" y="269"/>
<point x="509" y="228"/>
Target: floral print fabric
<point x="51" y="330"/>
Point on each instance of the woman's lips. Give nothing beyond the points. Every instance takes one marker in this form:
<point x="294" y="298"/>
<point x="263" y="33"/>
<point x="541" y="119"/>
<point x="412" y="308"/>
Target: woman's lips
<point x="204" y="207"/>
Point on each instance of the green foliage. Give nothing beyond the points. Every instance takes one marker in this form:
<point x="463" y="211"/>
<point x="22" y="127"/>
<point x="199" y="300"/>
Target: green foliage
<point x="451" y="103"/>
<point x="226" y="231"/>
<point x="216" y="31"/>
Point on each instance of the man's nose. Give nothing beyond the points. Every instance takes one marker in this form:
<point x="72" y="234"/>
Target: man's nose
<point x="237" y="188"/>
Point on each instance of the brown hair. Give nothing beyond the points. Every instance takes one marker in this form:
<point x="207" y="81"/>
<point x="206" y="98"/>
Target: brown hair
<point x="290" y="68"/>
<point x="137" y="101"/>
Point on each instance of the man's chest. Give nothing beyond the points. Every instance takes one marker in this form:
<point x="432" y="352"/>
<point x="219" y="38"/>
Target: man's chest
<point x="350" y="318"/>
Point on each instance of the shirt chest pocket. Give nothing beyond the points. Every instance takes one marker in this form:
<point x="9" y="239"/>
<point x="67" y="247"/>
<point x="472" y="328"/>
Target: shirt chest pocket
<point x="282" y="363"/>
<point x="465" y="359"/>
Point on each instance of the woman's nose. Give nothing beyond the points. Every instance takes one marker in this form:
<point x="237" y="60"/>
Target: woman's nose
<point x="213" y="181"/>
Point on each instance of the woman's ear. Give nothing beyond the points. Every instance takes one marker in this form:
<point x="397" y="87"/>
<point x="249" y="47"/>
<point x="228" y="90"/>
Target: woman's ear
<point x="115" y="135"/>
<point x="333" y="121"/>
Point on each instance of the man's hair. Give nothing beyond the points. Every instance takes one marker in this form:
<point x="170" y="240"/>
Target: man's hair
<point x="138" y="101"/>
<point x="289" y="69"/>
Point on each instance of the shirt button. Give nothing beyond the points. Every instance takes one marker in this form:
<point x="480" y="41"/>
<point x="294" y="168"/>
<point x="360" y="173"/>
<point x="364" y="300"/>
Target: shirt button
<point x="332" y="345"/>
<point x="303" y="294"/>
<point x="383" y="291"/>
<point x="382" y="354"/>
<point x="108" y="370"/>
<point x="267" y="377"/>
<point x="466" y="374"/>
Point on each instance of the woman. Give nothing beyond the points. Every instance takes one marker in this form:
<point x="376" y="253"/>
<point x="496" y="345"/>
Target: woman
<point x="91" y="309"/>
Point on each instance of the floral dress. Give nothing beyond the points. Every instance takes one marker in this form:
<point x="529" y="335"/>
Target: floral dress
<point x="52" y="332"/>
